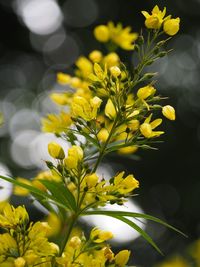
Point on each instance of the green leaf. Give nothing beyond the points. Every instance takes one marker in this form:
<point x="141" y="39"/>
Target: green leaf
<point x="61" y="193"/>
<point x="133" y="215"/>
<point x="36" y="192"/>
<point x="130" y="223"/>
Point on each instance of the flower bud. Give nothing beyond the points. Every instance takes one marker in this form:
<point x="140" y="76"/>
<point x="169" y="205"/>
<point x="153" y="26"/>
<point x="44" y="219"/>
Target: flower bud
<point x="101" y="33"/>
<point x="95" y="56"/>
<point x="169" y="112"/>
<point x="75" y="242"/>
<point x="56" y="151"/>
<point x="146" y="130"/>
<point x="115" y="71"/>
<point x="171" y="26"/>
<point x="19" y="262"/>
<point x="122" y="258"/>
<point x="91" y="180"/>
<point x="146" y="91"/>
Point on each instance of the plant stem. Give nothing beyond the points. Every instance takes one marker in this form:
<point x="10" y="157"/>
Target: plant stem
<point x="71" y="222"/>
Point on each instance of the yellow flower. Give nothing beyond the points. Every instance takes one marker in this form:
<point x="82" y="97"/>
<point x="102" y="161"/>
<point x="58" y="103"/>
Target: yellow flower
<point x="171" y="26"/>
<point x="115" y="71"/>
<point x="103" y="135"/>
<point x="101" y="33"/>
<point x="75" y="155"/>
<point x="128" y="150"/>
<point x="146" y="91"/>
<point x="125" y="185"/>
<point x="20" y="191"/>
<point x="169" y="112"/>
<point x="85" y="66"/>
<point x="122" y="258"/>
<point x="112" y="59"/>
<point x="11" y="217"/>
<point x="95" y="56"/>
<point x="147" y="128"/>
<point x="56" y="151"/>
<point x="7" y="242"/>
<point x="54" y="223"/>
<point x="91" y="180"/>
<point x="74" y="242"/>
<point x="110" y="110"/>
<point x="60" y="98"/>
<point x="155" y="20"/>
<point x="85" y="109"/>
<point x="63" y="78"/>
<point x="56" y="123"/>
<point x="99" y="236"/>
<point x="123" y="37"/>
<point x="19" y="262"/>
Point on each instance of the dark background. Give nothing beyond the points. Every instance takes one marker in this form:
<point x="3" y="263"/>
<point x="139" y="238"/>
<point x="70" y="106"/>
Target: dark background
<point x="169" y="177"/>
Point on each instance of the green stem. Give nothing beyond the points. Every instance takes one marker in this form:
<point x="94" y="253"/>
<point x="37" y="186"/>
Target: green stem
<point x="71" y="222"/>
<point x="101" y="154"/>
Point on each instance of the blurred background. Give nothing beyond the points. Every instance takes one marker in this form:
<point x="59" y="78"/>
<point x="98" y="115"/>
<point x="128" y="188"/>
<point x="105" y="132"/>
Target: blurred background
<point x="39" y="38"/>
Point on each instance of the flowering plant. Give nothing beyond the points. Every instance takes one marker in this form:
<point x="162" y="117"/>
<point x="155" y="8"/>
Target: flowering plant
<point x="114" y="110"/>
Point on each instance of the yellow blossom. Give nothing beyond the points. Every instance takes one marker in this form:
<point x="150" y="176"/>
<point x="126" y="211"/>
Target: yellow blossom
<point x="60" y="98"/>
<point x="125" y="185"/>
<point x="115" y="71"/>
<point x="75" y="155"/>
<point x="155" y="19"/>
<point x="169" y="112"/>
<point x="112" y="59"/>
<point x="147" y="127"/>
<point x="19" y="262"/>
<point x="85" y="66"/>
<point x="128" y="150"/>
<point x="91" y="180"/>
<point x="74" y="242"/>
<point x="123" y="37"/>
<point x="101" y="33"/>
<point x="110" y="110"/>
<point x="11" y="217"/>
<point x="85" y="109"/>
<point x="146" y="91"/>
<point x="56" y="123"/>
<point x="63" y="78"/>
<point x="95" y="56"/>
<point x="56" y="151"/>
<point x="171" y="26"/>
<point x="99" y="236"/>
<point x="103" y="135"/>
<point x="122" y="258"/>
<point x="54" y="223"/>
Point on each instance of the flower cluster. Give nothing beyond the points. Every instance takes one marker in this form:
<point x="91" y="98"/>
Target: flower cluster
<point x="23" y="243"/>
<point x="112" y="109"/>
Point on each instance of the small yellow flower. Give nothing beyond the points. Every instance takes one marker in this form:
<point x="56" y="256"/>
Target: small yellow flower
<point x="146" y="91"/>
<point x="60" y="98"/>
<point x="103" y="135"/>
<point x="75" y="242"/>
<point x="155" y="20"/>
<point x="115" y="71"/>
<point x="99" y="236"/>
<point x="123" y="37"/>
<point x="95" y="56"/>
<point x="169" y="112"/>
<point x="56" y="151"/>
<point x="19" y="262"/>
<point x="128" y="150"/>
<point x="147" y="127"/>
<point x="85" y="109"/>
<point x="110" y="110"/>
<point x="85" y="66"/>
<point x="56" y="123"/>
<point x="171" y="26"/>
<point x="75" y="155"/>
<point x="91" y="180"/>
<point x="63" y="78"/>
<point x="101" y="33"/>
<point x="112" y="59"/>
<point x="122" y="258"/>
